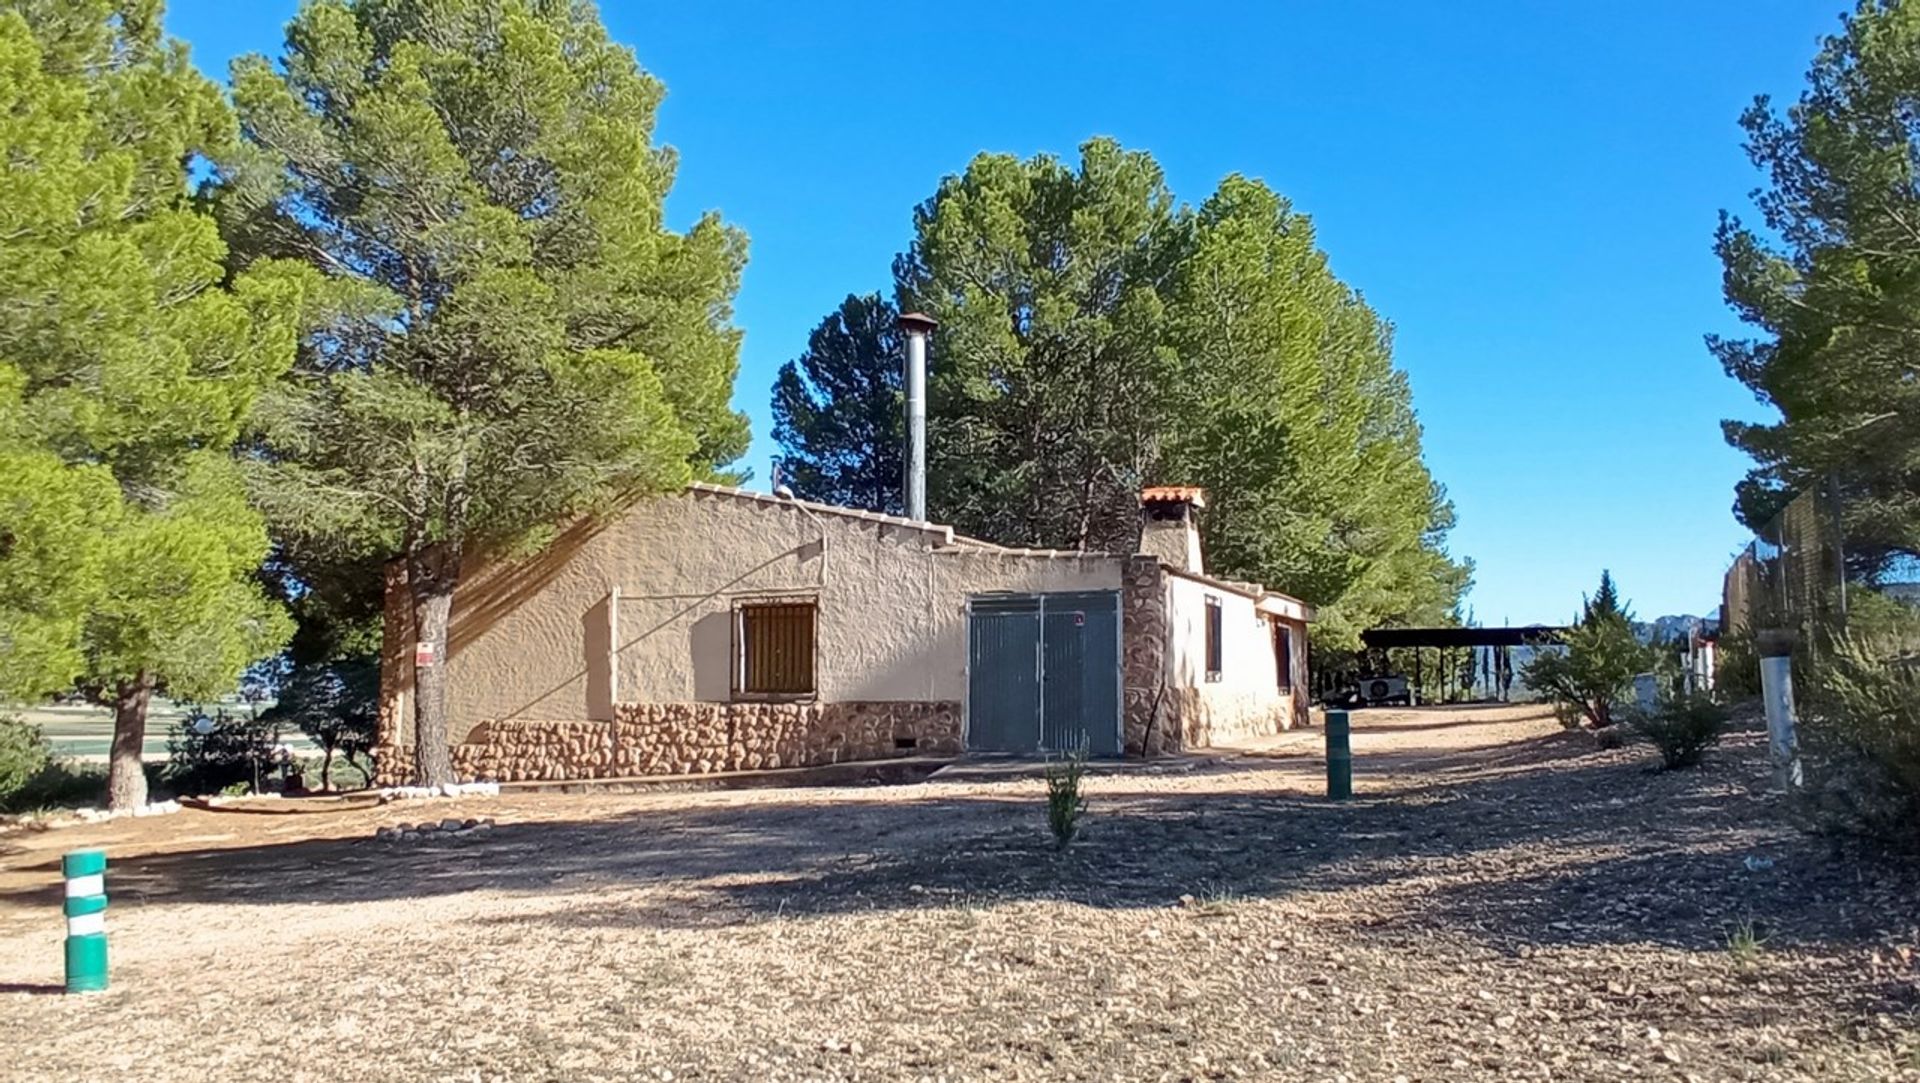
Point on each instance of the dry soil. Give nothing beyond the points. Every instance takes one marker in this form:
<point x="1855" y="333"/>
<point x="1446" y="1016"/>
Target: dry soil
<point x="1501" y="900"/>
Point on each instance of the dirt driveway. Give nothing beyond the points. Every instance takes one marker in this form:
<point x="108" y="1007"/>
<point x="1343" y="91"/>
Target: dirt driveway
<point x="1501" y="900"/>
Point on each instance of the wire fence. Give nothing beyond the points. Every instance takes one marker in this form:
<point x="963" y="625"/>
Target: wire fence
<point x="1821" y="569"/>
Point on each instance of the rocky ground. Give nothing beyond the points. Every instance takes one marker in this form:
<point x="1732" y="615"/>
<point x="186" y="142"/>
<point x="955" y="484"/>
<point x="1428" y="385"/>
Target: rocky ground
<point x="1501" y="900"/>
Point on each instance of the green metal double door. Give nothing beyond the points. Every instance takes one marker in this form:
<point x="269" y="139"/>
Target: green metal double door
<point x="1043" y="673"/>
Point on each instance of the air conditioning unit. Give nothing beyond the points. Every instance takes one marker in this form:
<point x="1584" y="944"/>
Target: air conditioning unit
<point x="1388" y="689"/>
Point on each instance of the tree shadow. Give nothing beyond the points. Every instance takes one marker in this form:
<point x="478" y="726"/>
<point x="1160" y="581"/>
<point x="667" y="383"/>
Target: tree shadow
<point x="1539" y="843"/>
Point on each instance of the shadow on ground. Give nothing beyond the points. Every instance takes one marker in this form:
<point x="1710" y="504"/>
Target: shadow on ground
<point x="1539" y="842"/>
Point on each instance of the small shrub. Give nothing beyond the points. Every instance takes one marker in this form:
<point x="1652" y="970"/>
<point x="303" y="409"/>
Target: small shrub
<point x="1213" y="900"/>
<point x="232" y="751"/>
<point x="1736" y="665"/>
<point x="337" y="703"/>
<point x="1681" y="727"/>
<point x="1861" y="735"/>
<point x="1745" y="944"/>
<point x="59" y="784"/>
<point x="1065" y="802"/>
<point x="23" y="754"/>
<point x="1590" y="672"/>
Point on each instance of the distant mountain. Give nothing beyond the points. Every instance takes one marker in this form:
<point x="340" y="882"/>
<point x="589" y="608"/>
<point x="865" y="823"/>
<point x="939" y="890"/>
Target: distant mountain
<point x="1668" y="629"/>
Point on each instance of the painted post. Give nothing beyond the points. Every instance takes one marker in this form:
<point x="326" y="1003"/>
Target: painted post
<point x="86" y="907"/>
<point x="1339" y="755"/>
<point x="1776" y="693"/>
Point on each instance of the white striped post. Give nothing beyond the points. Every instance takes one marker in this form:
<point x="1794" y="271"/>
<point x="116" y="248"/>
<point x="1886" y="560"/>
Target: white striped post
<point x="86" y="874"/>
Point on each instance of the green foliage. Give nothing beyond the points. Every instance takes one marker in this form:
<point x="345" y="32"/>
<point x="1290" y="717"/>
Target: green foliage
<point x="1832" y="285"/>
<point x="1065" y="802"/>
<point x="502" y="334"/>
<point x="234" y="752"/>
<point x="23" y="755"/>
<point x="1289" y="410"/>
<point x="1594" y="672"/>
<point x="1746" y="943"/>
<point x="58" y="784"/>
<point x="1096" y="336"/>
<point x="335" y="702"/>
<point x="1736" y="664"/>
<point x="1681" y="727"/>
<point x="129" y="361"/>
<point x="1862" y="736"/>
<point x="1605" y="603"/>
<point x="507" y="335"/>
<point x="837" y="409"/>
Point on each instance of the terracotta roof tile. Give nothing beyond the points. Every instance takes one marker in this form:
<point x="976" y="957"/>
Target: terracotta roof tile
<point x="1174" y="494"/>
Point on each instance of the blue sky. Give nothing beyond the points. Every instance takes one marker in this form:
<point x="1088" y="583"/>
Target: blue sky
<point x="1527" y="191"/>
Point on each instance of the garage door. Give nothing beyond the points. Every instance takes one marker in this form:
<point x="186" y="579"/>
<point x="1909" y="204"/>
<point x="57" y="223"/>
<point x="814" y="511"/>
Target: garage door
<point x="1043" y="673"/>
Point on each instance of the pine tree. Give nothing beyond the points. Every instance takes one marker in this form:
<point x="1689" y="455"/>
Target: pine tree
<point x="508" y="336"/>
<point x="128" y="365"/>
<point x="1289" y="411"/>
<point x="837" y="409"/>
<point x="1095" y="337"/>
<point x="1051" y="363"/>
<point x="1833" y="287"/>
<point x="1605" y="603"/>
<point x="1600" y="655"/>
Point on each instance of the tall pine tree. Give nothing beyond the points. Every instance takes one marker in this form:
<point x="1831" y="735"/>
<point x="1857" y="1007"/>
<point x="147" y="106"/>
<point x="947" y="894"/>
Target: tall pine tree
<point x="837" y="409"/>
<point x="1051" y="365"/>
<point x="509" y="335"/>
<point x="1097" y="337"/>
<point x="128" y="366"/>
<point x="1287" y="407"/>
<point x="1833" y="287"/>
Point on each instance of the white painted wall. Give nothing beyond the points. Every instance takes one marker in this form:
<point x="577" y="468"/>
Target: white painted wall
<point x="1245" y="699"/>
<point x="527" y="637"/>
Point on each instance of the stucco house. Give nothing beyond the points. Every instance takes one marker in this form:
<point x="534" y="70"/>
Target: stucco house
<point x="718" y="629"/>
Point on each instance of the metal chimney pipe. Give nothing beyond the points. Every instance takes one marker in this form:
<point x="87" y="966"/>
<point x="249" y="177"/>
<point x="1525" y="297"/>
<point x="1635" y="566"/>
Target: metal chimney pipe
<point x="916" y="326"/>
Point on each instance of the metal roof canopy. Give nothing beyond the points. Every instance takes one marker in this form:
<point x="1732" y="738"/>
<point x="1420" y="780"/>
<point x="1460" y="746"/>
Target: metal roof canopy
<point x="1379" y="638"/>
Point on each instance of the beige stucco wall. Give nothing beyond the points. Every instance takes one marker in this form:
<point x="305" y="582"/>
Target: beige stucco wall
<point x="529" y="640"/>
<point x="1246" y="699"/>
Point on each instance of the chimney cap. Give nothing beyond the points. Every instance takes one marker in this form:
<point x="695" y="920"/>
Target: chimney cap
<point x="912" y="322"/>
<point x="1174" y="494"/>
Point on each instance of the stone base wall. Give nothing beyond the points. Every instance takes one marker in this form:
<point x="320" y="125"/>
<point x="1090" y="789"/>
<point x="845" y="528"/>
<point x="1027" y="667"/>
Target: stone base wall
<point x="692" y="739"/>
<point x="1149" y="722"/>
<point x="1210" y="716"/>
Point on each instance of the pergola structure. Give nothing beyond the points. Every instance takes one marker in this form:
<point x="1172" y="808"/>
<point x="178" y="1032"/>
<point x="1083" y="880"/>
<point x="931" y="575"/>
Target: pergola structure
<point x="1449" y="639"/>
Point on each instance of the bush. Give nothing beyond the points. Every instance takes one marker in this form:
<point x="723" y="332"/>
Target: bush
<point x="59" y="784"/>
<point x="212" y="753"/>
<point x="337" y="704"/>
<point x="1682" y="727"/>
<point x="1736" y="666"/>
<point x="23" y="754"/>
<point x="1065" y="804"/>
<point x="1593" y="672"/>
<point x="1862" y="739"/>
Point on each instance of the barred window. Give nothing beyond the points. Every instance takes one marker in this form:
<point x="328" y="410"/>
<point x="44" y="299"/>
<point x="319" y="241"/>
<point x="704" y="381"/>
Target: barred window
<point x="774" y="644"/>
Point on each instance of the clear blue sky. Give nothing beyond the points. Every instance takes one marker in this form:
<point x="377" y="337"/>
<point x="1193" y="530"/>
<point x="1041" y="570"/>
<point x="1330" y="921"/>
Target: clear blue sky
<point x="1527" y="191"/>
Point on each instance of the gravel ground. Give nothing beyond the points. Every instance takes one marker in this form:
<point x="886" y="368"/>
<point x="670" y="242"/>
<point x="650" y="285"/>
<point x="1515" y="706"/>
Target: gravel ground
<point x="1500" y="901"/>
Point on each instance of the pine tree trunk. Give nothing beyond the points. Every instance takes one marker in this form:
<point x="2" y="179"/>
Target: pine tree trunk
<point x="326" y="768"/>
<point x="431" y="576"/>
<point x="126" y="775"/>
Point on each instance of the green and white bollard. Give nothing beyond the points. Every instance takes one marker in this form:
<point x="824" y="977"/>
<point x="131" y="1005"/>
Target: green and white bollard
<point x="86" y="873"/>
<point x="1339" y="755"/>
